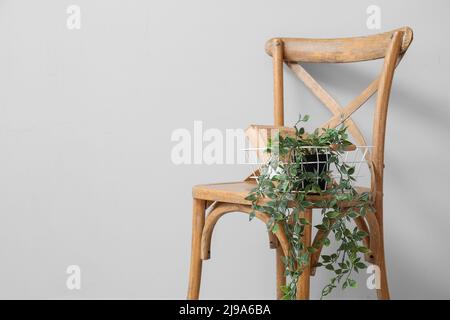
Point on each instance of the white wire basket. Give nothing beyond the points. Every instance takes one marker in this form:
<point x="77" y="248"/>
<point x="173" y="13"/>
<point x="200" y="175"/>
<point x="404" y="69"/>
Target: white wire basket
<point x="261" y="162"/>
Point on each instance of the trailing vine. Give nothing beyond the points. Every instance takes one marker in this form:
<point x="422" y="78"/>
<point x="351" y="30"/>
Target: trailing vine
<point x="283" y="192"/>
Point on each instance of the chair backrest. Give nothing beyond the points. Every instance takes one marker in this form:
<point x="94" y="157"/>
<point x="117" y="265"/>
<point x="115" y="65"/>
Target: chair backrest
<point x="390" y="46"/>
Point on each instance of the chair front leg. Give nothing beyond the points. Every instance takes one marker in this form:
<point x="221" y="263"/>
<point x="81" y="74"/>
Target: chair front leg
<point x="304" y="281"/>
<point x="195" y="273"/>
<point x="280" y="269"/>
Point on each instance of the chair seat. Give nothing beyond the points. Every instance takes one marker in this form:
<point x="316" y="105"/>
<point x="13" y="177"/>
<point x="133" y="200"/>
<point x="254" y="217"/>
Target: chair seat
<point x="230" y="192"/>
<point x="236" y="192"/>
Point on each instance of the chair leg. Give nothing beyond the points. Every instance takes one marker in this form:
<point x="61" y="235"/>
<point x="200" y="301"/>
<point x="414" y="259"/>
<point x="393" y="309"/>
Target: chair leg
<point x="195" y="273"/>
<point x="304" y="281"/>
<point x="281" y="278"/>
<point x="383" y="291"/>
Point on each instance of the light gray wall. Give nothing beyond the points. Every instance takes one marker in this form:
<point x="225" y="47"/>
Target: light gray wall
<point x="86" y="118"/>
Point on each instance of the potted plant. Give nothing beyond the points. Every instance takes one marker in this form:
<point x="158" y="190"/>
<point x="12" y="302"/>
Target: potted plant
<point x="299" y="166"/>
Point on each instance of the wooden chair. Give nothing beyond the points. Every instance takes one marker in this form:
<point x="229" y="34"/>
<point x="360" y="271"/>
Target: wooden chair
<point x="223" y="198"/>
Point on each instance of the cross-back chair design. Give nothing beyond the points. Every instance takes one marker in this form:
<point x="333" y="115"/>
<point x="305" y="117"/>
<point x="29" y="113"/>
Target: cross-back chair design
<point x="220" y="199"/>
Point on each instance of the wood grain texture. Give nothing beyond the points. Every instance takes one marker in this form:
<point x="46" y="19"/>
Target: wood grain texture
<point x="278" y="88"/>
<point x="332" y="105"/>
<point x="222" y="198"/>
<point x="379" y="135"/>
<point x="195" y="272"/>
<point x="236" y="192"/>
<point x="303" y="284"/>
<point x="339" y="50"/>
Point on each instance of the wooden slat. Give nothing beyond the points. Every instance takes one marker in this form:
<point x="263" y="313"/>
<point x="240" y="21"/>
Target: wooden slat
<point x="340" y="50"/>
<point x="354" y="105"/>
<point x="327" y="100"/>
<point x="315" y="88"/>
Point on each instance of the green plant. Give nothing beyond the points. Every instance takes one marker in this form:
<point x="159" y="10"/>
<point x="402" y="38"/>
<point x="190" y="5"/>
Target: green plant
<point x="282" y="192"/>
